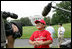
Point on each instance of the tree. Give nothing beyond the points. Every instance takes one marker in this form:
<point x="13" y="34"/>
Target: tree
<point x="47" y="20"/>
<point x="26" y="21"/>
<point x="22" y="20"/>
<point x="62" y="16"/>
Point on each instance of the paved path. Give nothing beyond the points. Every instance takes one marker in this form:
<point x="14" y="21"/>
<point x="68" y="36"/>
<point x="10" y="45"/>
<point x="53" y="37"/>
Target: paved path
<point x="25" y="43"/>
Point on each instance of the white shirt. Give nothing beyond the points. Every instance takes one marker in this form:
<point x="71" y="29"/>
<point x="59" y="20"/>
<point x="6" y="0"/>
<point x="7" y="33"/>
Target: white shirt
<point x="51" y="30"/>
<point x="61" y="30"/>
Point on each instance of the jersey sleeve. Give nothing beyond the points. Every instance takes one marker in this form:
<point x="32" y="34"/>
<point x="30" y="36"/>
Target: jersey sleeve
<point x="32" y="37"/>
<point x="49" y="36"/>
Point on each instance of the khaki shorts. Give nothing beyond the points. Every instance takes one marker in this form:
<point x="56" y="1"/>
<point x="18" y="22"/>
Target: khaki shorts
<point x="60" y="39"/>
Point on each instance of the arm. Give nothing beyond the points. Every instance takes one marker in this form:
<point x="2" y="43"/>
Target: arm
<point x="62" y="30"/>
<point x="31" y="42"/>
<point x="15" y="29"/>
<point x="35" y="43"/>
<point x="38" y="43"/>
<point x="58" y="30"/>
<point x="47" y="42"/>
<point x="49" y="39"/>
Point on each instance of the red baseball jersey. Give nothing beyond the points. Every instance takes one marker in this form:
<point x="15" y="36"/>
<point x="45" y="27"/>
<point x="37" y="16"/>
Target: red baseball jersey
<point x="41" y="36"/>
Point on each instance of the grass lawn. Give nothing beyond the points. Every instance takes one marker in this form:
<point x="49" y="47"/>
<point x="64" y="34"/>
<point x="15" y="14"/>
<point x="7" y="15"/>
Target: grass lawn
<point x="28" y="30"/>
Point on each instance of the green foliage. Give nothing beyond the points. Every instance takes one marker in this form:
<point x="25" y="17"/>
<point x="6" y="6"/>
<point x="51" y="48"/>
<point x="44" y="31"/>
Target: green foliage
<point x="26" y="21"/>
<point x="47" y="20"/>
<point x="62" y="16"/>
<point x="28" y="31"/>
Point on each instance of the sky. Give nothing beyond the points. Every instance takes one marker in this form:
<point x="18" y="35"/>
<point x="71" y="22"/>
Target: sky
<point x="26" y="8"/>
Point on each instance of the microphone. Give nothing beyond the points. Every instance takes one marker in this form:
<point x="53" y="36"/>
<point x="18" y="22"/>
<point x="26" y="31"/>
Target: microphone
<point x="47" y="9"/>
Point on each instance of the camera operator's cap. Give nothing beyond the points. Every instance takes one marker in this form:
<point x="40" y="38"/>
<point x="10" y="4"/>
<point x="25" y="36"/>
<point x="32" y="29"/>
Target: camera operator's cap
<point x="41" y="20"/>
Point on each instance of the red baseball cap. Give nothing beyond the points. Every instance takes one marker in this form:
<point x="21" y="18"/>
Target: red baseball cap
<point x="41" y="20"/>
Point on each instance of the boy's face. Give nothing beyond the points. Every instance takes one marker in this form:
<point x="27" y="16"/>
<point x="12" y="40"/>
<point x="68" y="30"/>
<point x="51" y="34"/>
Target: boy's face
<point x="40" y="25"/>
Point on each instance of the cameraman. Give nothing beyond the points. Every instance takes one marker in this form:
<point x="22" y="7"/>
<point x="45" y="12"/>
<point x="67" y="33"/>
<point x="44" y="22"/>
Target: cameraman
<point x="13" y="29"/>
<point x="17" y="27"/>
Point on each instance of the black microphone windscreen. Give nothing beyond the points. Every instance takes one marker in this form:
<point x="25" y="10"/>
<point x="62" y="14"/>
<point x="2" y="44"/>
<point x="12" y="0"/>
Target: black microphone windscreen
<point x="46" y="9"/>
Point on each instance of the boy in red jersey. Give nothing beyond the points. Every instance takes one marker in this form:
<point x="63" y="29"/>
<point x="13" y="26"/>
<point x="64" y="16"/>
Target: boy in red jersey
<point x="40" y="38"/>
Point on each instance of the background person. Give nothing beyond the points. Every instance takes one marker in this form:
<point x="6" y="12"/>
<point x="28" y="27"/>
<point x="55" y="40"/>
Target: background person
<point x="61" y="31"/>
<point x="51" y="30"/>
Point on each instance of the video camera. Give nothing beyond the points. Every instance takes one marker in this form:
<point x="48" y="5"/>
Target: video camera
<point x="6" y="27"/>
<point x="5" y="15"/>
<point x="8" y="14"/>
